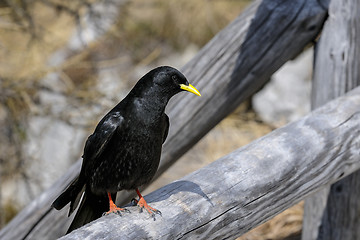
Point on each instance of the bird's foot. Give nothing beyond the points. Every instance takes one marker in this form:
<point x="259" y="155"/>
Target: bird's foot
<point x="141" y="203"/>
<point x="117" y="210"/>
<point x="113" y="208"/>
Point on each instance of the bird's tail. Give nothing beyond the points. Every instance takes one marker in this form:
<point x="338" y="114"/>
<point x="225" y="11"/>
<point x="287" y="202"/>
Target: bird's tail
<point x="72" y="194"/>
<point x="91" y="207"/>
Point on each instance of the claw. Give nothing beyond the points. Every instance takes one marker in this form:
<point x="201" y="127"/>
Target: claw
<point x="134" y="202"/>
<point x="141" y="203"/>
<point x="113" y="208"/>
<point x="116" y="210"/>
<point x="158" y="212"/>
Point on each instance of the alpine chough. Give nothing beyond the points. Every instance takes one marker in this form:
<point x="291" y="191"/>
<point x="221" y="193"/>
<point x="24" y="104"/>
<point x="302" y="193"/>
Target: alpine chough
<point x="124" y="151"/>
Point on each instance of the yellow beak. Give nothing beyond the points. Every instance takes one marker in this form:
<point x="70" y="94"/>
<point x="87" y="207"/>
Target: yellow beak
<point x="190" y="88"/>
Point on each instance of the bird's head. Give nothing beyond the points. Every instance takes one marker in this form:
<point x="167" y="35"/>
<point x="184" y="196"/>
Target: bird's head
<point x="155" y="88"/>
<point x="171" y="81"/>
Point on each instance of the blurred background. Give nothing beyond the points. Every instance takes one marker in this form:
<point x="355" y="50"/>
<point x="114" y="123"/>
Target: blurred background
<point x="64" y="64"/>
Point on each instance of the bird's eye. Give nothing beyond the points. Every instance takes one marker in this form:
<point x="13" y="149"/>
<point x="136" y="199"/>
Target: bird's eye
<point x="174" y="77"/>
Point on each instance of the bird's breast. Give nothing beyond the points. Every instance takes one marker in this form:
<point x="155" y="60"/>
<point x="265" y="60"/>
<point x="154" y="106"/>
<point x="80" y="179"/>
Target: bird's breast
<point x="131" y="157"/>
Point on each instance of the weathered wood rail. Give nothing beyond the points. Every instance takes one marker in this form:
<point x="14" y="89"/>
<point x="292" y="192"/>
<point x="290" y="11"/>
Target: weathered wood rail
<point x="228" y="70"/>
<point x="250" y="185"/>
<point x="333" y="212"/>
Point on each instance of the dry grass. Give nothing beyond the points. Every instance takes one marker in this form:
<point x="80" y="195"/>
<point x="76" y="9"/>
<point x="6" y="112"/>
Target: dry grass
<point x="30" y="34"/>
<point x="173" y="23"/>
<point x="24" y="52"/>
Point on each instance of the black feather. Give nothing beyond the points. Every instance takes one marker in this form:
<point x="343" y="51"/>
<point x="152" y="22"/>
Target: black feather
<point x="91" y="208"/>
<point x="72" y="194"/>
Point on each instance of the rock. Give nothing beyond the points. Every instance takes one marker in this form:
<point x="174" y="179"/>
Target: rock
<point x="286" y="97"/>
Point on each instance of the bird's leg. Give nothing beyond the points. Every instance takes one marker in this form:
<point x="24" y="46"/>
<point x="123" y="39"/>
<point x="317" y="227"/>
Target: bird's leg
<point x="113" y="208"/>
<point x="143" y="204"/>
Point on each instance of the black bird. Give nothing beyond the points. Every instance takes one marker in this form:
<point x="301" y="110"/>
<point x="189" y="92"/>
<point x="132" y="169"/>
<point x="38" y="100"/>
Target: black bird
<point x="124" y="151"/>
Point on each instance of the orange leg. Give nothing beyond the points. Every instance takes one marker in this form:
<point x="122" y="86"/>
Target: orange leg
<point x="113" y="207"/>
<point x="143" y="204"/>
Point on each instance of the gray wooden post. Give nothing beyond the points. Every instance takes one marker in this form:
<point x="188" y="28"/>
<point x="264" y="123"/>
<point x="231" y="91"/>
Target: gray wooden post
<point x="333" y="212"/>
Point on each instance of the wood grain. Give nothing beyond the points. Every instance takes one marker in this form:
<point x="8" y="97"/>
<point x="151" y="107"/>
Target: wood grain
<point x="250" y="185"/>
<point x="332" y="213"/>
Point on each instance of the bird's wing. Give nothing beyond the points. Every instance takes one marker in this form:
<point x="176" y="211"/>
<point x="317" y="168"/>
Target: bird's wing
<point x="96" y="143"/>
<point x="94" y="146"/>
<point x="166" y="130"/>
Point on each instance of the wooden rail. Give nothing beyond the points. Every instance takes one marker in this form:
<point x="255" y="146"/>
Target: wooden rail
<point x="336" y="71"/>
<point x="250" y="185"/>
